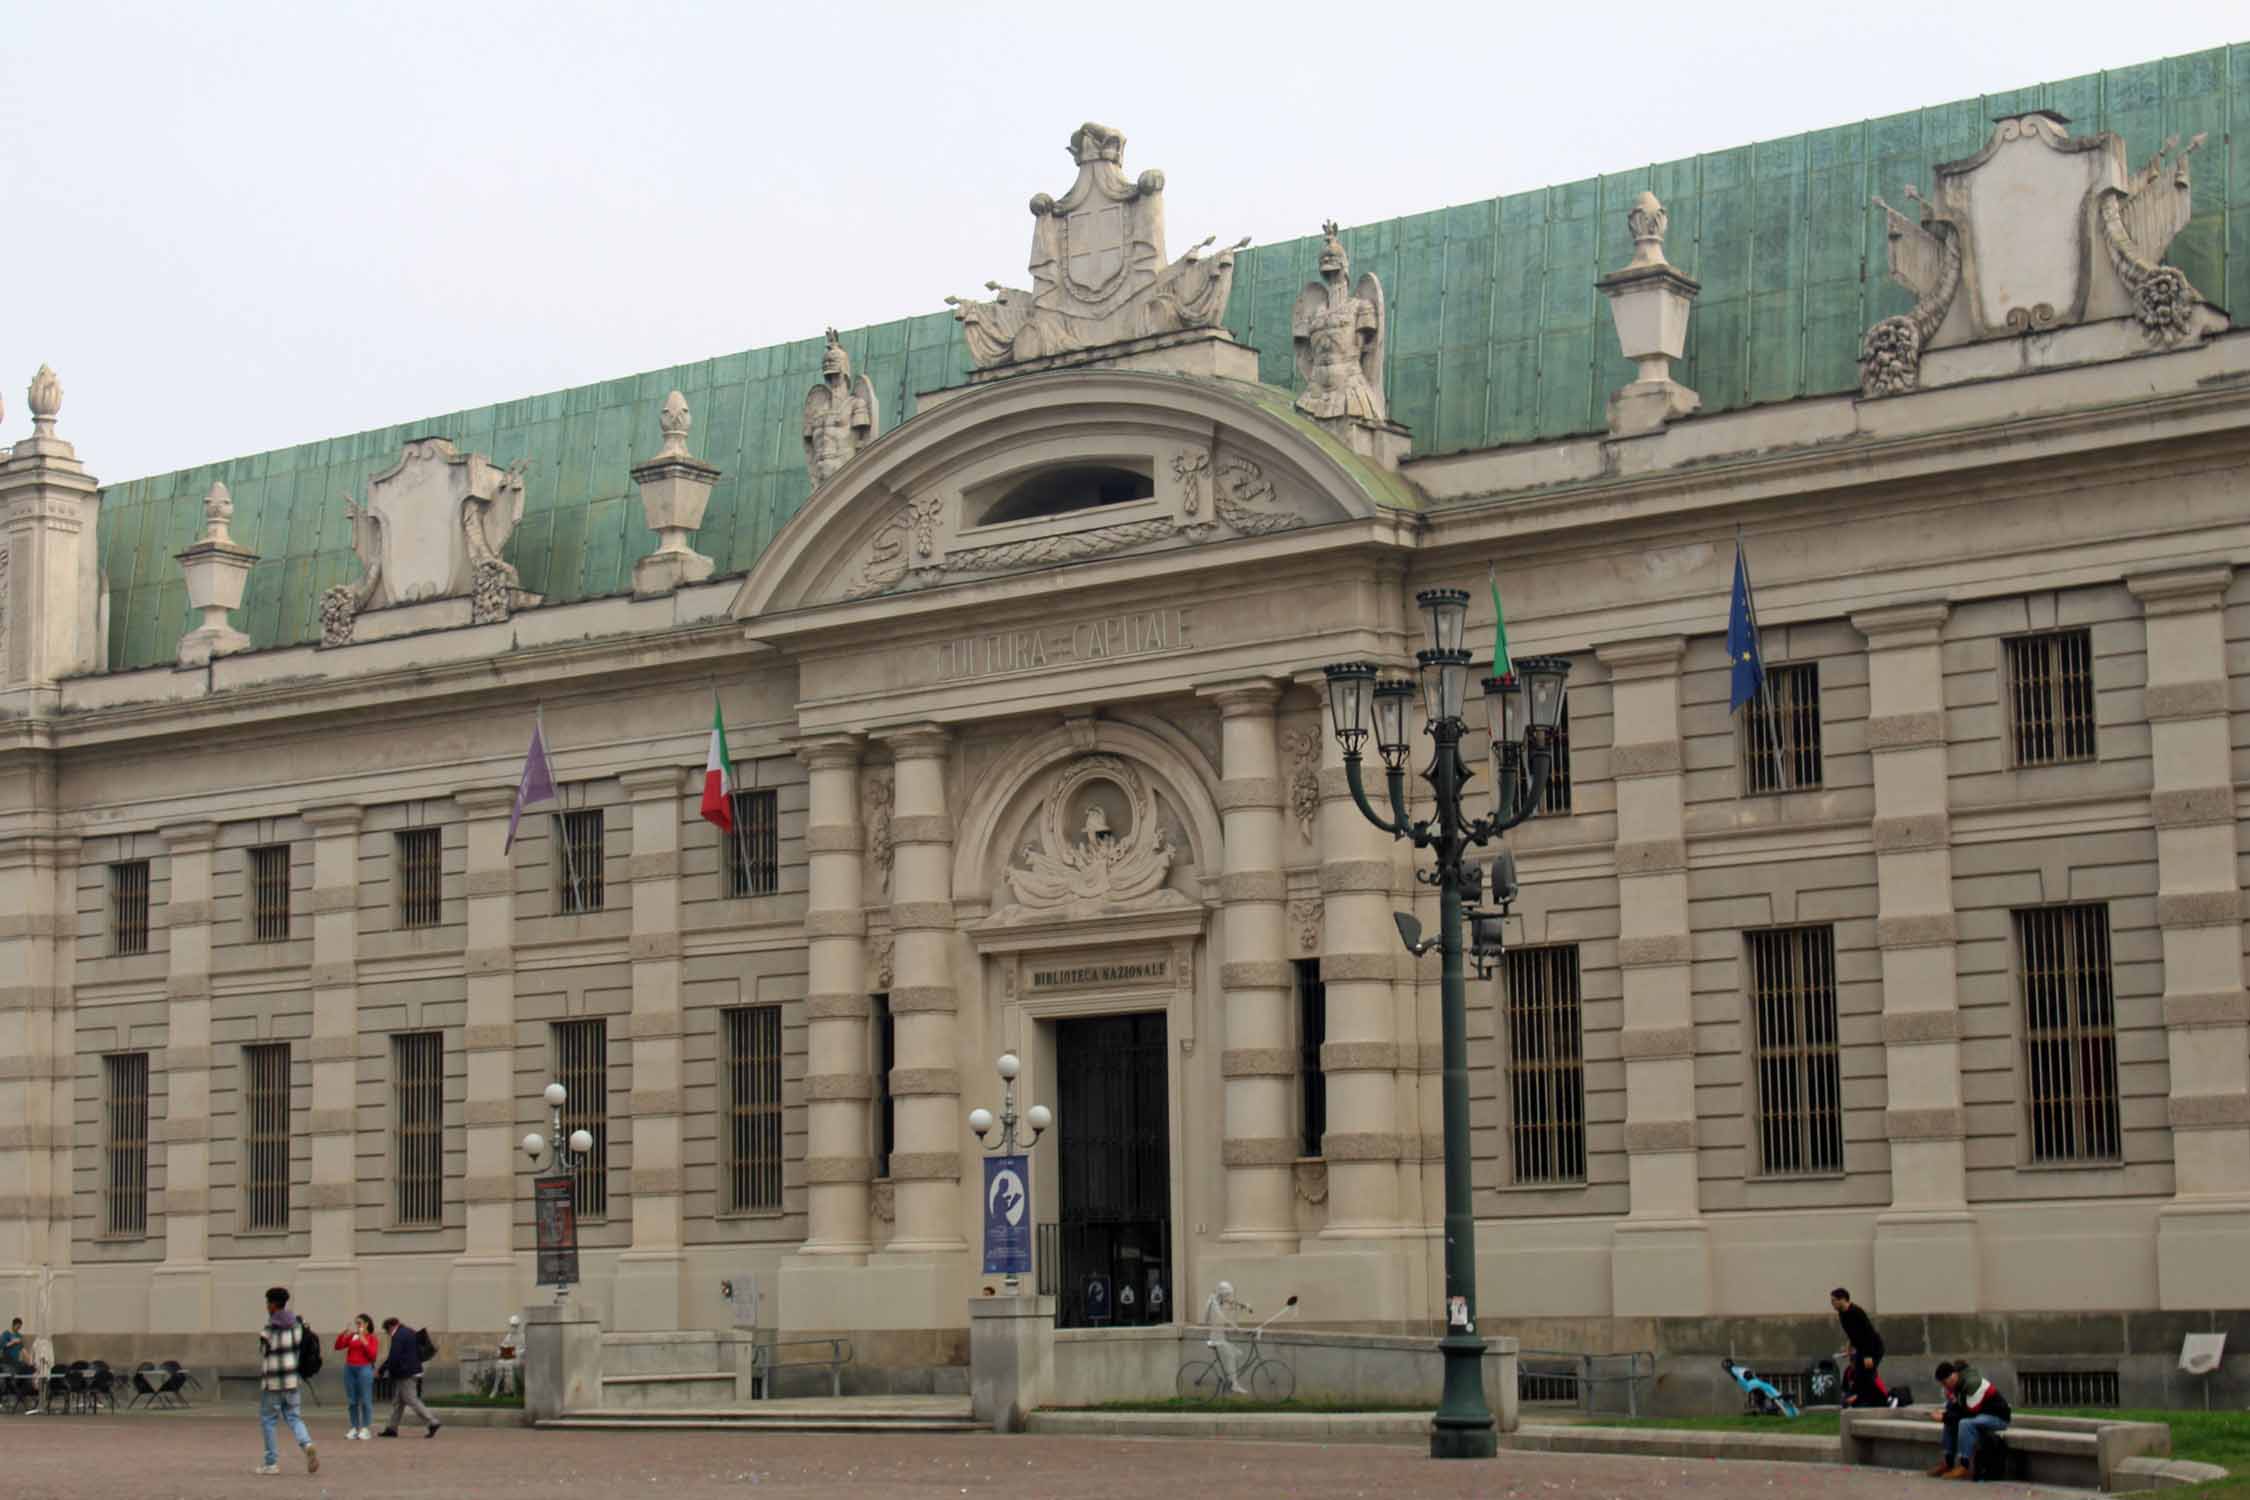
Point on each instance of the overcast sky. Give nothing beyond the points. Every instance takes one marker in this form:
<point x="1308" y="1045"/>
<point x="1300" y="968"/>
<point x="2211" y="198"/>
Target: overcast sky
<point x="233" y="227"/>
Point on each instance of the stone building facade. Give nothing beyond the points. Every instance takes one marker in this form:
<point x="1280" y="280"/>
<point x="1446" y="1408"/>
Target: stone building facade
<point x="1921" y="974"/>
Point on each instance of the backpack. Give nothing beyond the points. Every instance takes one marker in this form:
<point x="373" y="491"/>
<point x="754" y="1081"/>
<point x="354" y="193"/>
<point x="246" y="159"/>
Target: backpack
<point x="424" y="1345"/>
<point x="308" y="1351"/>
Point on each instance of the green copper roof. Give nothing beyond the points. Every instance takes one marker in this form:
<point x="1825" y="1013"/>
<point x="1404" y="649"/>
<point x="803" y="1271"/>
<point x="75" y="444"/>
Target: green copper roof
<point x="1497" y="336"/>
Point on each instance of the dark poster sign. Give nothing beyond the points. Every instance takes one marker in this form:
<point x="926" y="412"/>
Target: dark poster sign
<point x="1007" y="1216"/>
<point x="555" y="1214"/>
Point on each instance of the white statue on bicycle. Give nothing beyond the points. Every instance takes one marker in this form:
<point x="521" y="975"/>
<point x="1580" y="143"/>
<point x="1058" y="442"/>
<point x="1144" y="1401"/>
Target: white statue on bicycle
<point x="1218" y="1312"/>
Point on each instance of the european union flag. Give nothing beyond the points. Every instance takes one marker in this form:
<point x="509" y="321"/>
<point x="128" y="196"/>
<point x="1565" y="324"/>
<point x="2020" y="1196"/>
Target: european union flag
<point x="1742" y="638"/>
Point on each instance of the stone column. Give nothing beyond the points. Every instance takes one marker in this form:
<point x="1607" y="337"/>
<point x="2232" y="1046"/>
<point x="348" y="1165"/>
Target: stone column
<point x="180" y="1291"/>
<point x="37" y="1055"/>
<point x="1660" y="1254"/>
<point x="648" y="1275"/>
<point x="837" y="1163"/>
<point x="925" y="1078"/>
<point x="50" y="613"/>
<point x="483" y="1286"/>
<point x="1358" y="964"/>
<point x="1925" y="1243"/>
<point x="2203" y="1234"/>
<point x="1259" y="1064"/>
<point x="328" y="1279"/>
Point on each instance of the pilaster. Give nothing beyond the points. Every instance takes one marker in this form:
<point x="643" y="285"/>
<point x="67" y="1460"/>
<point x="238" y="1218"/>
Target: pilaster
<point x="482" y="1289"/>
<point x="1660" y="1257"/>
<point x="1358" y="968"/>
<point x="817" y="1284"/>
<point x="37" y="1044"/>
<point x="1925" y="1243"/>
<point x="2203" y="1235"/>
<point x="180" y="1291"/>
<point x="49" y="510"/>
<point x="1259" y="1064"/>
<point x="648" y="1296"/>
<point x="328" y="1279"/>
<point x="925" y="1075"/>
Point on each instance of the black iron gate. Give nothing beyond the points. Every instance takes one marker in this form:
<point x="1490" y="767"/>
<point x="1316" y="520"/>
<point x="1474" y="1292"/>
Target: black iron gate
<point x="1113" y="1149"/>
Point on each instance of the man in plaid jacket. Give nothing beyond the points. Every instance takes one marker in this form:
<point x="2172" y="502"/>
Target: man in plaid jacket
<point x="279" y="1395"/>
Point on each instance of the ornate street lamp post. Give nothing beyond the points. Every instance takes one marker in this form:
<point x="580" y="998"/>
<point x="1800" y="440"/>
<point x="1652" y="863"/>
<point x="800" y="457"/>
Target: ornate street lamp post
<point x="1524" y="708"/>
<point x="568" y="1156"/>
<point x="1038" y="1117"/>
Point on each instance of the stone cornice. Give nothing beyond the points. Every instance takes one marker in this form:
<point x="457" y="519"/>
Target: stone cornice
<point x="485" y="801"/>
<point x="334" y="817"/>
<point x="1256" y="696"/>
<point x="651" y="783"/>
<point x="190" y="838"/>
<point x="2178" y="591"/>
<point x="924" y="741"/>
<point x="1899" y="625"/>
<point x="1652" y="656"/>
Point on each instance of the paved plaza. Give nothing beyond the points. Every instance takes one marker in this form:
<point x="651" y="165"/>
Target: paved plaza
<point x="205" y="1454"/>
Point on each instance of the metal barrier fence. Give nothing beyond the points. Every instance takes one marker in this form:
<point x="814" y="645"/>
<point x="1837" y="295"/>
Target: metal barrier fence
<point x="1597" y="1384"/>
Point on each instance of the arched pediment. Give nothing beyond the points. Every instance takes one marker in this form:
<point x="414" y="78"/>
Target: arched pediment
<point x="989" y="483"/>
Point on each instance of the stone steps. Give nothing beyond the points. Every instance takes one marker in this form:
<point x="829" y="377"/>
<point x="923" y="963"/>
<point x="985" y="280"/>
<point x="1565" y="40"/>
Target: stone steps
<point x="668" y="1391"/>
<point x="851" y="1414"/>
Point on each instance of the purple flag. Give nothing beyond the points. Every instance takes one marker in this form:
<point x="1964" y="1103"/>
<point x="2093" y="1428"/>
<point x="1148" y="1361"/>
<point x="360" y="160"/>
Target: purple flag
<point x="538" y="784"/>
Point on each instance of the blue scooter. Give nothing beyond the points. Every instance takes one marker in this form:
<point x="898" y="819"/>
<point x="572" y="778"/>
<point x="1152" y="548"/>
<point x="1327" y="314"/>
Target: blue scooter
<point x="1761" y="1396"/>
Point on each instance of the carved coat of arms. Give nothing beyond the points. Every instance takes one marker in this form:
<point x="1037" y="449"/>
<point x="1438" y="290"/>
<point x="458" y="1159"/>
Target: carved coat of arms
<point x="433" y="528"/>
<point x="1102" y="846"/>
<point x="1098" y="274"/>
<point x="2039" y="230"/>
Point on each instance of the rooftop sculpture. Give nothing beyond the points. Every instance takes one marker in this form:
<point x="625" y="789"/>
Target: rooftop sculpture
<point x="1098" y="272"/>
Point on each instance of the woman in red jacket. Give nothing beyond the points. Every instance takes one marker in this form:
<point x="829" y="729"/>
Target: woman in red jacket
<point x="361" y="1350"/>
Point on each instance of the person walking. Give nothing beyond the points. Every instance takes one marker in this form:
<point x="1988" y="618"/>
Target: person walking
<point x="404" y="1366"/>
<point x="1974" y="1409"/>
<point x="1862" y="1385"/>
<point x="361" y="1350"/>
<point x="279" y="1396"/>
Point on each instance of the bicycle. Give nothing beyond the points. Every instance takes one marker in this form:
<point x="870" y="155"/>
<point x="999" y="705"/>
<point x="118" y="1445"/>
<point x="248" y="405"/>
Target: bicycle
<point x="1264" y="1377"/>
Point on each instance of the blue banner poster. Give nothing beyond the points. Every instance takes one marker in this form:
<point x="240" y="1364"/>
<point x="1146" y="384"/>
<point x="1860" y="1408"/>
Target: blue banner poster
<point x="1007" y="1216"/>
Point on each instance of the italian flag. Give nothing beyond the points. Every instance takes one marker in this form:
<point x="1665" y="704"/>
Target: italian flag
<point x="718" y="773"/>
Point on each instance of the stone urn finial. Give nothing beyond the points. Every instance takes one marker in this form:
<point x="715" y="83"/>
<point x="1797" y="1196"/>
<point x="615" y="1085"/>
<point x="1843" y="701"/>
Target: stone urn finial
<point x="46" y="401"/>
<point x="673" y="422"/>
<point x="1648" y="221"/>
<point x="218" y="510"/>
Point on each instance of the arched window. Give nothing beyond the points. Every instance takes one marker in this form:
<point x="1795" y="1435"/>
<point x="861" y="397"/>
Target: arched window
<point x="1065" y="488"/>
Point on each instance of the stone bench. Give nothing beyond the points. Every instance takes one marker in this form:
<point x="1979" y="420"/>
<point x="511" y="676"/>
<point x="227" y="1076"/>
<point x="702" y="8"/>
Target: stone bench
<point x="2079" y="1452"/>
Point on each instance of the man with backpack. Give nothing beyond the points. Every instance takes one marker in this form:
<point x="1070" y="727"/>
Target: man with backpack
<point x="411" y="1349"/>
<point x="1862" y="1385"/>
<point x="282" y="1346"/>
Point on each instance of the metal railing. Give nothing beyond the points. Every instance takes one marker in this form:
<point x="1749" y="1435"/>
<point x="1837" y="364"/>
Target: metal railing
<point x="1611" y="1384"/>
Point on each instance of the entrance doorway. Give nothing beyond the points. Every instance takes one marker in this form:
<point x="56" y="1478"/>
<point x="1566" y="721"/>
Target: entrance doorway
<point x="1113" y="1150"/>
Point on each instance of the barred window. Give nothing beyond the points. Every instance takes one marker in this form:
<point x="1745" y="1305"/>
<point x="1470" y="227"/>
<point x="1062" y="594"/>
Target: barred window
<point x="751" y="1037"/>
<point x="125" y="1144"/>
<point x="421" y="877"/>
<point x="269" y="893"/>
<point x="1546" y="1066"/>
<point x="578" y="867"/>
<point x="754" y="848"/>
<point x="1312" y="1031"/>
<point x="1781" y="732"/>
<point x="884" y="1042"/>
<point x="418" y="1128"/>
<point x="1797" y="1066"/>
<point x="128" y="907"/>
<point x="2051" y="697"/>
<point x="265" y="1136"/>
<point x="582" y="1068"/>
<point x="1557" y="799"/>
<point x="2070" y="1033"/>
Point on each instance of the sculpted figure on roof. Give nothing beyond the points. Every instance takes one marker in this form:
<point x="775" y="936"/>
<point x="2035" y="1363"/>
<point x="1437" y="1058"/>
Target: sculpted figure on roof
<point x="1098" y="272"/>
<point x="841" y="414"/>
<point x="1338" y="329"/>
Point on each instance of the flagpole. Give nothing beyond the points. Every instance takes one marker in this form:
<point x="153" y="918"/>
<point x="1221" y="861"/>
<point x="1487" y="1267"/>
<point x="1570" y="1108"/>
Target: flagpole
<point x="1781" y="757"/>
<point x="734" y="798"/>
<point x="555" y="819"/>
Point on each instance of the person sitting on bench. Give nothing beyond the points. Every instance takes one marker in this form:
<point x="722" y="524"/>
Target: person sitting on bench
<point x="1974" y="1409"/>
